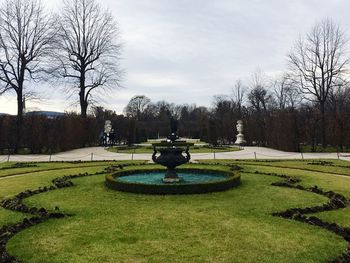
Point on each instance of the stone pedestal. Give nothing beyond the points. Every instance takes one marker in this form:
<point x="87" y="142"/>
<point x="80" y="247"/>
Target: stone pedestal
<point x="240" y="137"/>
<point x="171" y="176"/>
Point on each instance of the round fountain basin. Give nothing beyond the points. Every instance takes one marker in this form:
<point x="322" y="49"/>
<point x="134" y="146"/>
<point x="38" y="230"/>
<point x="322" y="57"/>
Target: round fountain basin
<point x="185" y="178"/>
<point x="193" y="181"/>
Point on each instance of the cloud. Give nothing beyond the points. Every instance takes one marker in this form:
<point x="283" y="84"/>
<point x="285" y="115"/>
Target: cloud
<point x="186" y="51"/>
<point x="8" y="104"/>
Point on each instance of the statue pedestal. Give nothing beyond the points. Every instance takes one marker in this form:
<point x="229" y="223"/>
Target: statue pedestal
<point x="240" y="139"/>
<point x="171" y="180"/>
<point x="171" y="177"/>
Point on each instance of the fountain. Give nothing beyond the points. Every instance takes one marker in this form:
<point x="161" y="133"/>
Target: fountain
<point x="171" y="153"/>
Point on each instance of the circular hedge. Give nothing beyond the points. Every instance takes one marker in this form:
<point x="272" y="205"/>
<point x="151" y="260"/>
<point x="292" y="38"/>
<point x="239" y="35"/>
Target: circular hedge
<point x="233" y="179"/>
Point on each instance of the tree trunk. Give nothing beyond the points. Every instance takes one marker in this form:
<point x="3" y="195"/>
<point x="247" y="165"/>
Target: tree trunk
<point x="82" y="100"/>
<point x="19" y="121"/>
<point x="19" y="105"/>
<point x="323" y="124"/>
<point x="83" y="108"/>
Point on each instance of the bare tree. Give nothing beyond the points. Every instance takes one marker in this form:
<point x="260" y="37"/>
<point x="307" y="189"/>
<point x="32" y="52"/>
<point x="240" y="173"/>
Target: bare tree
<point x="286" y="93"/>
<point x="26" y="37"/>
<point x="259" y="96"/>
<point x="280" y="92"/>
<point x="137" y="106"/>
<point x="89" y="51"/>
<point x="319" y="61"/>
<point x="239" y="91"/>
<point x="167" y="110"/>
<point x="338" y="108"/>
<point x="261" y="101"/>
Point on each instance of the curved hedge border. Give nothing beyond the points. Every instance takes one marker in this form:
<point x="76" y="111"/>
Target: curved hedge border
<point x="336" y="201"/>
<point x="233" y="179"/>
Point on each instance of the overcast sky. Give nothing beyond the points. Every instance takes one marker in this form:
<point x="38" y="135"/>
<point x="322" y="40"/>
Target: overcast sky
<point x="186" y="51"/>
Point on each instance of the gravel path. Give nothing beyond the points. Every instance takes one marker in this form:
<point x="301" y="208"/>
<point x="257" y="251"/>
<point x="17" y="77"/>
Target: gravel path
<point x="99" y="154"/>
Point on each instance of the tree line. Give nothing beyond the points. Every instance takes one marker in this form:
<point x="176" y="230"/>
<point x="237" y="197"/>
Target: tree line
<point x="78" y="47"/>
<point x="271" y="118"/>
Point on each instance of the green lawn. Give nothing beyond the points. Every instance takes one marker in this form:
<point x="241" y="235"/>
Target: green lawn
<point x="193" y="149"/>
<point x="38" y="167"/>
<point x="333" y="166"/>
<point x="230" y="226"/>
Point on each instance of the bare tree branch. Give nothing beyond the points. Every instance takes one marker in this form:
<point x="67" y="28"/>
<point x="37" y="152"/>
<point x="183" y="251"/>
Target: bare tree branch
<point x="89" y="50"/>
<point x="319" y="62"/>
<point x="26" y="37"/>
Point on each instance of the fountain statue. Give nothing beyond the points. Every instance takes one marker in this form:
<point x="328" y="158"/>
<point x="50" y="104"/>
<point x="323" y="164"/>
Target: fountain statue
<point x="240" y="137"/>
<point x="171" y="153"/>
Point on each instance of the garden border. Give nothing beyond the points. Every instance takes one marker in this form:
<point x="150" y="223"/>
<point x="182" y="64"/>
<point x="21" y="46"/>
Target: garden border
<point x="336" y="201"/>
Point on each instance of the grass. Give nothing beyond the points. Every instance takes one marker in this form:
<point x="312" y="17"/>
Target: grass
<point x="5" y="170"/>
<point x="230" y="226"/>
<point x="193" y="149"/>
<point x="335" y="166"/>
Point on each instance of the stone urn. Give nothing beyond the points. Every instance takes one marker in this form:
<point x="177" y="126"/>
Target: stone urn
<point x="171" y="155"/>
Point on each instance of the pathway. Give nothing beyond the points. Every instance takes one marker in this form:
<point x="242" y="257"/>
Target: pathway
<point x="100" y="153"/>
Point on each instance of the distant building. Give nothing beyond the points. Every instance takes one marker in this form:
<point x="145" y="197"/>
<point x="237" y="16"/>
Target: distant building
<point x="49" y="114"/>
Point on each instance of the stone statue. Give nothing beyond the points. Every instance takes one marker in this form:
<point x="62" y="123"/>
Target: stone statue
<point x="106" y="134"/>
<point x="240" y="137"/>
<point x="108" y="126"/>
<point x="173" y="125"/>
<point x="173" y="129"/>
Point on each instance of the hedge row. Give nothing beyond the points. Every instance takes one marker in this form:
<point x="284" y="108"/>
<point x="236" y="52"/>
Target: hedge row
<point x="40" y="134"/>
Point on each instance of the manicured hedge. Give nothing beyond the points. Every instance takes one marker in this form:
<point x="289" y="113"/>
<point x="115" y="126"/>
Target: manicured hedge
<point x="233" y="179"/>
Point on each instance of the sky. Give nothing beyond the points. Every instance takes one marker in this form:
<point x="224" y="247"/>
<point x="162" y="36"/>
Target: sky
<point x="187" y="51"/>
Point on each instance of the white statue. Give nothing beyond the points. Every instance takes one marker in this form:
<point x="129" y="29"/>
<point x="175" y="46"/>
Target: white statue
<point x="240" y="137"/>
<point x="108" y="127"/>
<point x="107" y="131"/>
